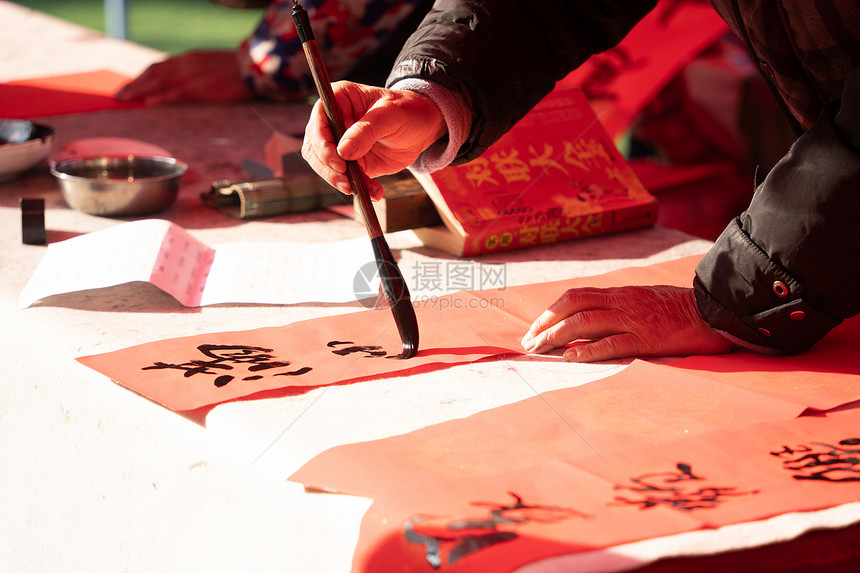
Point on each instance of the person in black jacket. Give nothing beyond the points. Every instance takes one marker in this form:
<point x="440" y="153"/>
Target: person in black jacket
<point x="782" y="274"/>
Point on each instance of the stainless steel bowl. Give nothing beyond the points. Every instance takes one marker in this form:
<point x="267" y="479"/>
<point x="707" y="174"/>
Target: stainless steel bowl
<point x="119" y="186"/>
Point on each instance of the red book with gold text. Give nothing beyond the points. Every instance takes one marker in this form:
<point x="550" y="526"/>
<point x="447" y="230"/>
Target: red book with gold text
<point x="555" y="176"/>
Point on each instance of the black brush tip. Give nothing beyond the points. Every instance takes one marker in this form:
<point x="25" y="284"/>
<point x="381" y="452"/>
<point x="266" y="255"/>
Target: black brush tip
<point x="397" y="295"/>
<point x="407" y="326"/>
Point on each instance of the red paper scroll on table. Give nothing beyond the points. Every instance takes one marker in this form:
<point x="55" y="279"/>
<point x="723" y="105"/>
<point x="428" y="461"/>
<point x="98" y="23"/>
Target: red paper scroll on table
<point x="653" y="451"/>
<point x="190" y="373"/>
<point x="60" y="95"/>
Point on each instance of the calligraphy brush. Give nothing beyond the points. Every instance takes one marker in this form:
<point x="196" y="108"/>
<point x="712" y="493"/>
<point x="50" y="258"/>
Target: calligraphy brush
<point x="393" y="285"/>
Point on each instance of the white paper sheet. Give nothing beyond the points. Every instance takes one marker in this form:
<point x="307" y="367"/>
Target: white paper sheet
<point x="164" y="254"/>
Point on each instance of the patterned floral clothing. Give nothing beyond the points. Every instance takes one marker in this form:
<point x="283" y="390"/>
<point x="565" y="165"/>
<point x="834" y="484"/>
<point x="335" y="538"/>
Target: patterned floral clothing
<point x="358" y="40"/>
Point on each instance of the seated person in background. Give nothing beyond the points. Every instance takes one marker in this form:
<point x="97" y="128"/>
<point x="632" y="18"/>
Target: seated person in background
<point x="358" y="39"/>
<point x="782" y="274"/>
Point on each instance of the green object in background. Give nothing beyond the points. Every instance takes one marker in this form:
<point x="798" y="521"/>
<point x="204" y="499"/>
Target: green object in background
<point x="171" y="26"/>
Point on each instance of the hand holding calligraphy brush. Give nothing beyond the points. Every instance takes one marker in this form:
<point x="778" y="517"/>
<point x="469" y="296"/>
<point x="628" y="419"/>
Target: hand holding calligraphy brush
<point x="393" y="284"/>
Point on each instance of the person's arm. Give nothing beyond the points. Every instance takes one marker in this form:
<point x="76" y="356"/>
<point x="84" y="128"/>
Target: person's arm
<point x="483" y="65"/>
<point x="779" y="278"/>
<point x="501" y="57"/>
<point x="198" y="75"/>
<point x="787" y="271"/>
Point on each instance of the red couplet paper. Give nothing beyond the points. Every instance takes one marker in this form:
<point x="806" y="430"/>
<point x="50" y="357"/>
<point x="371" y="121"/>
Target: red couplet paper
<point x="196" y="372"/>
<point x="652" y="451"/>
<point x="191" y="373"/>
<point x="620" y="81"/>
<point x="61" y="95"/>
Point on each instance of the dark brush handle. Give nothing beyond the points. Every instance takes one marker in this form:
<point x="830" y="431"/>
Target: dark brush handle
<point x="335" y="117"/>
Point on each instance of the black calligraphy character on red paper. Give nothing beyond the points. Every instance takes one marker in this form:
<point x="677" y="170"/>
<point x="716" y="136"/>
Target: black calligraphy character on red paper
<point x="471" y="535"/>
<point x="223" y="358"/>
<point x="350" y="347"/>
<point x="657" y="489"/>
<point x="822" y="461"/>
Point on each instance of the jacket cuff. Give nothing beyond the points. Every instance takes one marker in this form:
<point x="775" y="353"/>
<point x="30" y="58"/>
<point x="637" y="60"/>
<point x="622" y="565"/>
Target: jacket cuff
<point x="733" y="274"/>
<point x="457" y="118"/>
